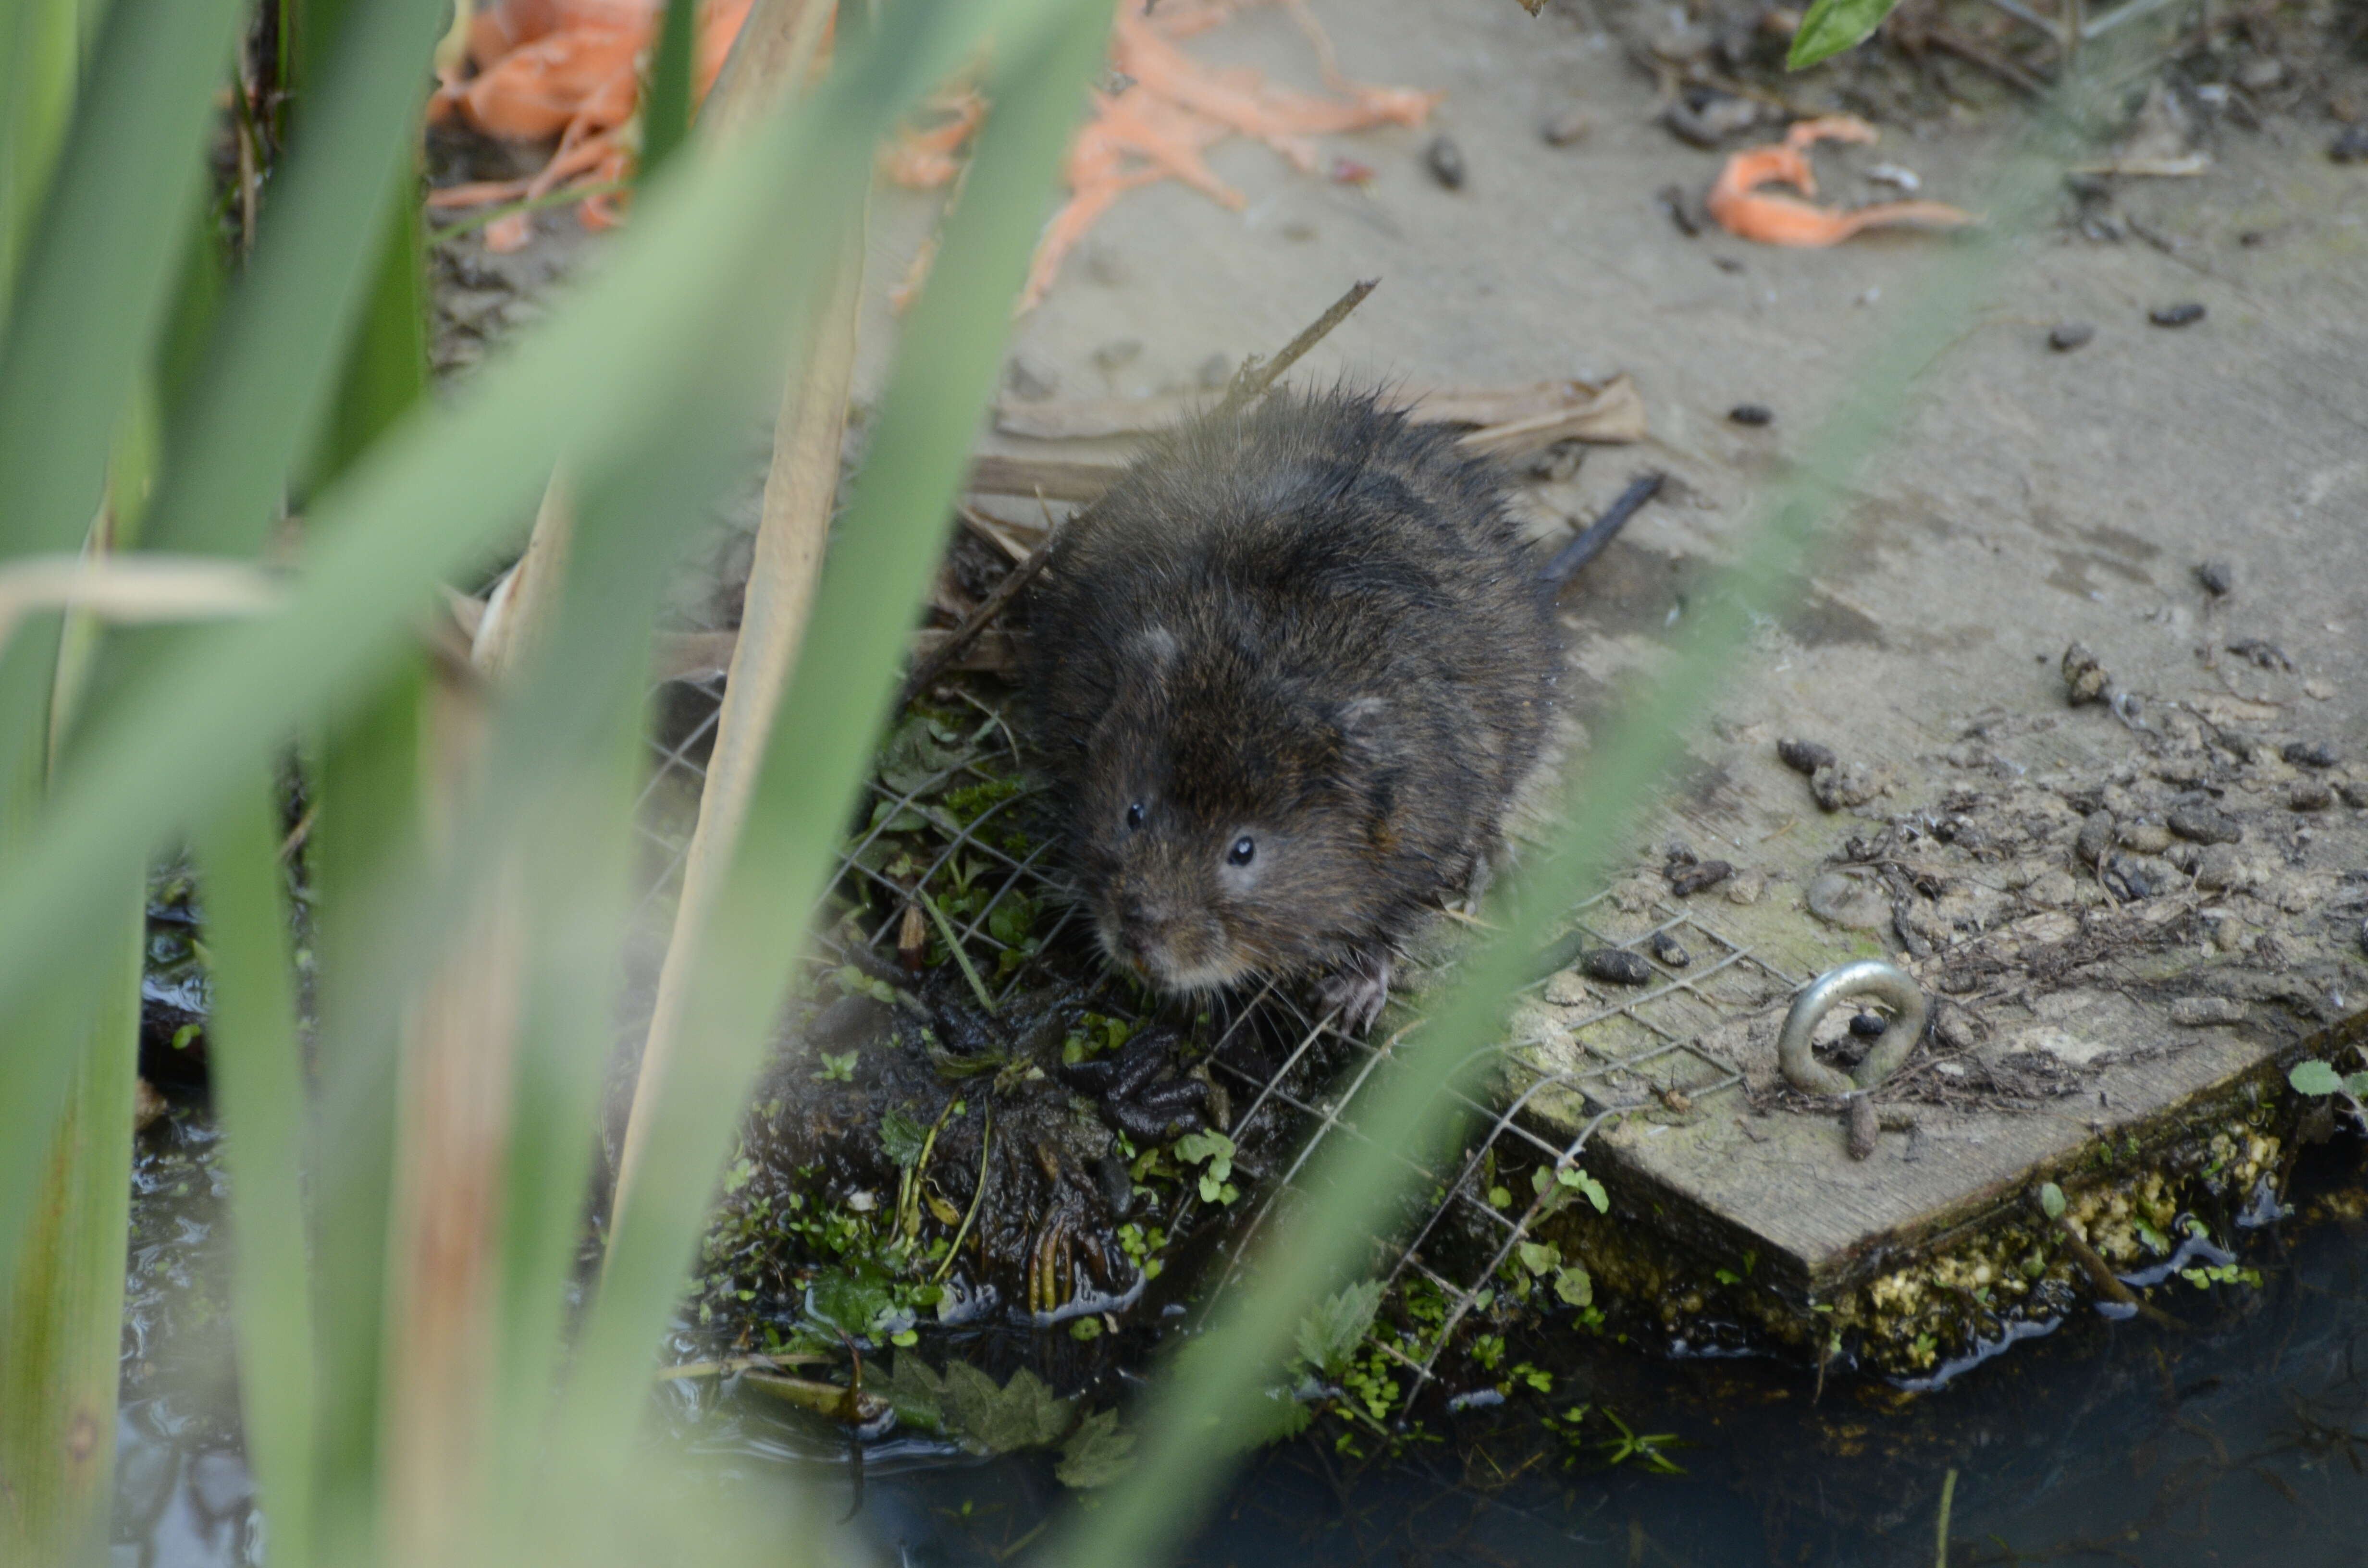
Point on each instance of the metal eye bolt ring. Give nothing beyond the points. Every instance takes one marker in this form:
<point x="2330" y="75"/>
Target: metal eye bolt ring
<point x="1867" y="977"/>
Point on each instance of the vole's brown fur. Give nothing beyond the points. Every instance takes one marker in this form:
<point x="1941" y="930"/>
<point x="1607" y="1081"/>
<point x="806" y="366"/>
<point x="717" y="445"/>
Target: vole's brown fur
<point x="1289" y="673"/>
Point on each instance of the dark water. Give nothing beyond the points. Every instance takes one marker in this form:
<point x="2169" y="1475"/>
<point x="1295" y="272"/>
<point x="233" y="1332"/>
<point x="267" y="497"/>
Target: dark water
<point x="2241" y="1439"/>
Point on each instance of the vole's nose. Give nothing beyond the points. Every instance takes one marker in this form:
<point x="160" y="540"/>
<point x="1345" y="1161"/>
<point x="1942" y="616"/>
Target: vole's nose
<point x="1141" y="923"/>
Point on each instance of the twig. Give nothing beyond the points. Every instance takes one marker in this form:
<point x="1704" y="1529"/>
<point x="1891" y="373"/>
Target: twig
<point x="937" y="662"/>
<point x="2106" y="1282"/>
<point x="1251" y="381"/>
<point x="1949" y="40"/>
<point x="1590" y="540"/>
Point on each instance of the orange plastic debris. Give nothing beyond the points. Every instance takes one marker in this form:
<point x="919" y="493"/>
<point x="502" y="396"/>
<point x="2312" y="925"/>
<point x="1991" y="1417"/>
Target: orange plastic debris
<point x="1161" y="125"/>
<point x="569" y="67"/>
<point x="1740" y="208"/>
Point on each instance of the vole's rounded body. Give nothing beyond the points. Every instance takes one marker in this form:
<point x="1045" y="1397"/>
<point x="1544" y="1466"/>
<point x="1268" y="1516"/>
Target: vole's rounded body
<point x="1289" y="673"/>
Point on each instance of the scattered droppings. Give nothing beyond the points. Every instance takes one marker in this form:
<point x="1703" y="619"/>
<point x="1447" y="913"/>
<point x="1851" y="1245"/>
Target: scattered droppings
<point x="2351" y="146"/>
<point x="1744" y="887"/>
<point x="2310" y="795"/>
<point x="1669" y="950"/>
<point x="2263" y="654"/>
<point x="1806" y="756"/>
<point x="2134" y="878"/>
<point x="1839" y="900"/>
<point x="1680" y="207"/>
<point x="1568" y="126"/>
<point x="2065" y="336"/>
<point x="1618" y="966"/>
<point x="2203" y="824"/>
<point x="1031" y="381"/>
<point x="1956" y="1027"/>
<point x="1687" y="881"/>
<point x="2085" y="680"/>
<point x="2145" y="838"/>
<point x="1863" y="1124"/>
<point x="1868" y="1025"/>
<point x="2218" y="869"/>
<point x="1706" y="118"/>
<point x="2185" y="313"/>
<point x="2196" y="1012"/>
<point x="1564" y="989"/>
<point x="1751" y="414"/>
<point x="1116" y="355"/>
<point x="2354" y="793"/>
<point x="2096" y="837"/>
<point x="1845" y="785"/>
<point x="2217" y="577"/>
<point x="2311" y="754"/>
<point x="1445" y="161"/>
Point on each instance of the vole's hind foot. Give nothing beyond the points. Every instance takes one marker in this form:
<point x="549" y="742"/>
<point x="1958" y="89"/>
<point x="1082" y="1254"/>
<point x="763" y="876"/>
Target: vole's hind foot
<point x="1358" y="991"/>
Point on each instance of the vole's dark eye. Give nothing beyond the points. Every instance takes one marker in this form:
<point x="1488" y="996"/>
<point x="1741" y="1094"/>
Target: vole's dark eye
<point x="1243" y="849"/>
<point x="1135" y="814"/>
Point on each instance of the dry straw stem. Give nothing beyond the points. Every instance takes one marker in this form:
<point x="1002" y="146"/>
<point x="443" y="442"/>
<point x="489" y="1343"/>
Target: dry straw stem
<point x="132" y="589"/>
<point x="518" y="612"/>
<point x="777" y="48"/>
<point x="458" y="1068"/>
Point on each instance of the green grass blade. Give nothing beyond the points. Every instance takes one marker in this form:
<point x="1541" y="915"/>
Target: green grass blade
<point x="367" y="832"/>
<point x="690" y="299"/>
<point x="875" y="574"/>
<point x="40" y="61"/>
<point x="665" y="106"/>
<point x="62" y="1306"/>
<point x="276" y="349"/>
<point x="98" y="274"/>
<point x="386" y="362"/>
<point x="258" y="1085"/>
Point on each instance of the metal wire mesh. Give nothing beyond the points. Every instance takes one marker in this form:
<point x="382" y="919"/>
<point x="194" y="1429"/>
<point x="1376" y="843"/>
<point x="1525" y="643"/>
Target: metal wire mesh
<point x="667" y="811"/>
<point x="1630" y="1054"/>
<point x="1630" y="1050"/>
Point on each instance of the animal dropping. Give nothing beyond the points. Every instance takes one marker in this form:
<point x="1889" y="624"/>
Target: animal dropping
<point x="1288" y="674"/>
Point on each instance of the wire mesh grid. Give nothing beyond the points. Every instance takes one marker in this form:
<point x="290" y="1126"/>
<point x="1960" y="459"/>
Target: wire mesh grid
<point x="666" y="813"/>
<point x="1641" y="1053"/>
<point x="1630" y="1050"/>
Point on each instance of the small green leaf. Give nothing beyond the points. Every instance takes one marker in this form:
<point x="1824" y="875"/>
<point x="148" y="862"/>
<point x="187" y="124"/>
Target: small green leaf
<point x="1833" y="26"/>
<point x="1539" y="1257"/>
<point x="1097" y="1453"/>
<point x="2051" y="1200"/>
<point x="1575" y="1287"/>
<point x="1499" y="1197"/>
<point x="902" y="1138"/>
<point x="2314" y="1078"/>
<point x="1330" y="1332"/>
<point x="1572" y="1176"/>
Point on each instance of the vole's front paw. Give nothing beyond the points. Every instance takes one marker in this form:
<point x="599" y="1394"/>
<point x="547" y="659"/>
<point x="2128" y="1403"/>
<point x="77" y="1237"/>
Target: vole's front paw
<point x="1358" y="991"/>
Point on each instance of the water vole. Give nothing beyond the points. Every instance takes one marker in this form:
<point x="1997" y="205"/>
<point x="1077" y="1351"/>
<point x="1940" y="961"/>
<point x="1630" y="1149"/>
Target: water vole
<point x="1288" y="674"/>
